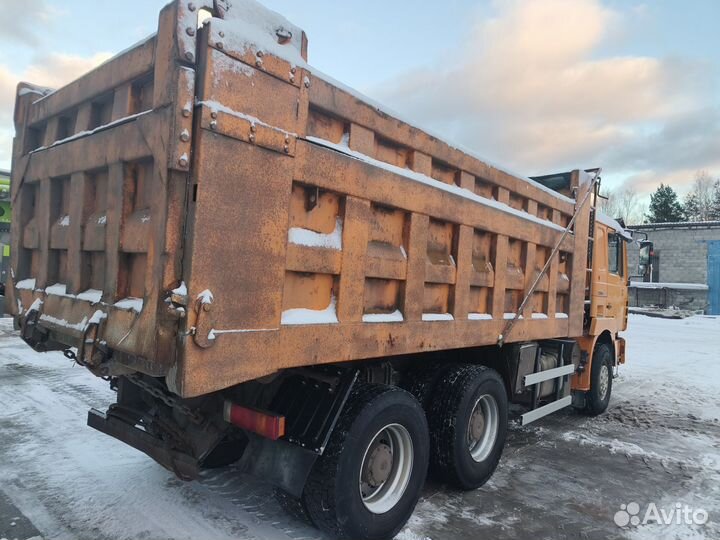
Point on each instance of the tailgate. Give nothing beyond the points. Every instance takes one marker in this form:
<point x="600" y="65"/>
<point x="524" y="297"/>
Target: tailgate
<point x="99" y="181"/>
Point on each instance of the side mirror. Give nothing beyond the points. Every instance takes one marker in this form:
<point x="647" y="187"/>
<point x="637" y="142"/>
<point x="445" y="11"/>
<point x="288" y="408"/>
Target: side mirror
<point x="646" y="249"/>
<point x="646" y="252"/>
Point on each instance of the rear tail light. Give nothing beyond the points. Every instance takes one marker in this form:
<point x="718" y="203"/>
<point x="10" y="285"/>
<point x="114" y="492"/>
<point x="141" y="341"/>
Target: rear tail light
<point x="267" y="425"/>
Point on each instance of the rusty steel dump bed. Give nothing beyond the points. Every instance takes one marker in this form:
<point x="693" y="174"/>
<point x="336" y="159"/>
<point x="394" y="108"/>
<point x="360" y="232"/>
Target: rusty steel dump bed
<point x="209" y="208"/>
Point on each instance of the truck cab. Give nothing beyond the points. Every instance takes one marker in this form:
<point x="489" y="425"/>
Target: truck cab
<point x="606" y="296"/>
<point x="606" y="302"/>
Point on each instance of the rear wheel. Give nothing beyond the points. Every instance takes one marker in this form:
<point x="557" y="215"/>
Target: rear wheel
<point x="598" y="398"/>
<point x="421" y="381"/>
<point x="468" y="425"/>
<point x="368" y="480"/>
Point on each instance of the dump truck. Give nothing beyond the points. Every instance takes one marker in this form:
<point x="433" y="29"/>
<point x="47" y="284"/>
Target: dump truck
<point x="271" y="269"/>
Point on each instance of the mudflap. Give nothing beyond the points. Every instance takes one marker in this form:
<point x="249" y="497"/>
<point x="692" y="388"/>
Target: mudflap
<point x="183" y="465"/>
<point x="279" y="463"/>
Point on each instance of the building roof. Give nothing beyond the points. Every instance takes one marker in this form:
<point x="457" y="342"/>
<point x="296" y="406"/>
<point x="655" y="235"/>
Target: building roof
<point x="677" y="225"/>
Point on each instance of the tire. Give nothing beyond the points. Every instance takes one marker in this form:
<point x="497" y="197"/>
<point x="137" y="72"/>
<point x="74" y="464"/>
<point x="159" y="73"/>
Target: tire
<point x="292" y="506"/>
<point x="598" y="398"/>
<point x="378" y="420"/>
<point x="470" y="401"/>
<point x="422" y="381"/>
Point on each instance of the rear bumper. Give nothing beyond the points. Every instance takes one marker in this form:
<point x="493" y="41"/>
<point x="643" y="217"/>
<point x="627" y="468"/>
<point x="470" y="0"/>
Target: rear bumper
<point x="183" y="465"/>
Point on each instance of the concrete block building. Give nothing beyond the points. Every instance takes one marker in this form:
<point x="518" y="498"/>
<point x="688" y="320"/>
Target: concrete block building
<point x="686" y="267"/>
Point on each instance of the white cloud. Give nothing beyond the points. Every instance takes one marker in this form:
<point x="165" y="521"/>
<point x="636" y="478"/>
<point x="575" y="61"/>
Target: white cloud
<point x="530" y="89"/>
<point x="54" y="70"/>
<point x="25" y="20"/>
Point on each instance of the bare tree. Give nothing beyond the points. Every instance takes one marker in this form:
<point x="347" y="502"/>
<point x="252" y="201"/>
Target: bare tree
<point x="698" y="204"/>
<point x="624" y="203"/>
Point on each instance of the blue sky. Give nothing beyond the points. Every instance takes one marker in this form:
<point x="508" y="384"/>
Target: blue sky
<point x="536" y="85"/>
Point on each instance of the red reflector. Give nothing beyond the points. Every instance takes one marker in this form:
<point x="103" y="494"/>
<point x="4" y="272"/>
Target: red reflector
<point x="267" y="425"/>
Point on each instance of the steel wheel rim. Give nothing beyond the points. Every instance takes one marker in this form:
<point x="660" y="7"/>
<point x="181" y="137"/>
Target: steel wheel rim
<point x="483" y="427"/>
<point x="604" y="381"/>
<point x="381" y="493"/>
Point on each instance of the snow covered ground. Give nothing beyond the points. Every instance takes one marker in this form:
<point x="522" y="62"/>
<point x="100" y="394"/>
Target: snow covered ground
<point x="564" y="477"/>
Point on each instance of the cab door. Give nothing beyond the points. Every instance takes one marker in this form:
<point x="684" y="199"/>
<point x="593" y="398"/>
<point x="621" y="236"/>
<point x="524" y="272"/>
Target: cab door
<point x="609" y="277"/>
<point x="616" y="303"/>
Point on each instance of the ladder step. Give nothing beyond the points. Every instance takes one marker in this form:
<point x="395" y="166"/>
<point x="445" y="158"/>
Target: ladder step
<point x="545" y="410"/>
<point x="542" y="376"/>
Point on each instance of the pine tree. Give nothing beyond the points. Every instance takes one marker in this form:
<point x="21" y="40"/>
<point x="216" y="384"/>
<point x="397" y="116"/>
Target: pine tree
<point x="664" y="206"/>
<point x="691" y="207"/>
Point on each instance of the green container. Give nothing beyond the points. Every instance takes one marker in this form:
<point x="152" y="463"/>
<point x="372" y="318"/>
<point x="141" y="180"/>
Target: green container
<point x="4" y="199"/>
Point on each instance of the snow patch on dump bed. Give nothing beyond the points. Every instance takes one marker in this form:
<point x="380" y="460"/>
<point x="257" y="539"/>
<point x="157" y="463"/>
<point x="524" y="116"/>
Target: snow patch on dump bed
<point x="299" y="316"/>
<point x="248" y="25"/>
<point x="427" y="180"/>
<point x="437" y="317"/>
<point x="308" y="238"/>
<point x="216" y="106"/>
<point x="79" y="327"/>
<point x="395" y="316"/>
<point x="26" y="284"/>
<point x="134" y="304"/>
<point x="206" y="297"/>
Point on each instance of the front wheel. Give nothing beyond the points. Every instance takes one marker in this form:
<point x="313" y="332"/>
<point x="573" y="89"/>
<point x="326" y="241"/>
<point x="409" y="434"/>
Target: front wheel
<point x="368" y="480"/>
<point x="601" y="378"/>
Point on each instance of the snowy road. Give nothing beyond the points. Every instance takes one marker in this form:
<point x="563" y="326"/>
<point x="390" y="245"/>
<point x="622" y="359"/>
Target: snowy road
<point x="564" y="477"/>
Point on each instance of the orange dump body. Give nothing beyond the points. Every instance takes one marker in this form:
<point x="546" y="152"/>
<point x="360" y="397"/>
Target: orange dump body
<point x="208" y="208"/>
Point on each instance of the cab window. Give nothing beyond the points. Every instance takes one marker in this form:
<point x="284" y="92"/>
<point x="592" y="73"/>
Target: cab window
<point x="615" y="259"/>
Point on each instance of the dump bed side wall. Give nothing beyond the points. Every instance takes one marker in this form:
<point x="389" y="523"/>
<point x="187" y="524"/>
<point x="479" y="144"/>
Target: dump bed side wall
<point x="312" y="206"/>
<point x="100" y="172"/>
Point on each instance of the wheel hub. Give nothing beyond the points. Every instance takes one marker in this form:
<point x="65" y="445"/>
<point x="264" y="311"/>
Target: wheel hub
<point x="483" y="427"/>
<point x="386" y="468"/>
<point x="477" y="425"/>
<point x="379" y="465"/>
<point x="604" y="381"/>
